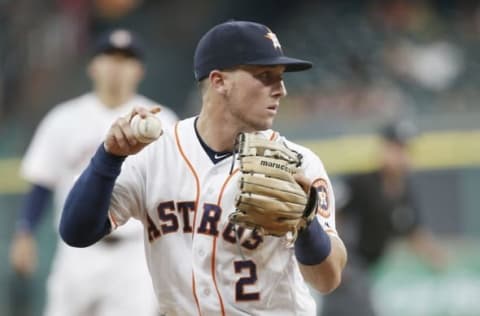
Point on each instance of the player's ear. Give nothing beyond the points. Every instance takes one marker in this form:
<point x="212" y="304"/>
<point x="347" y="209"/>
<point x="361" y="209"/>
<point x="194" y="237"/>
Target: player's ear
<point x="219" y="82"/>
<point x="141" y="71"/>
<point x="91" y="68"/>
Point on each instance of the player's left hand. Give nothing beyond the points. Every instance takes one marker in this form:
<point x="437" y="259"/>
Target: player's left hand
<point x="120" y="139"/>
<point x="23" y="253"/>
<point x="274" y="196"/>
<point x="303" y="181"/>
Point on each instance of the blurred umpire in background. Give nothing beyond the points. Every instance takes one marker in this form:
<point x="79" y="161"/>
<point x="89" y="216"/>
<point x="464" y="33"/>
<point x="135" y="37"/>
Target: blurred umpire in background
<point x="373" y="209"/>
<point x="87" y="282"/>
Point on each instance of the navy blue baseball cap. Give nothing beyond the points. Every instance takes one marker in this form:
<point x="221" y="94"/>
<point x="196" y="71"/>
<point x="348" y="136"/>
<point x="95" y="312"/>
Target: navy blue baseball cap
<point x="236" y="43"/>
<point x="119" y="40"/>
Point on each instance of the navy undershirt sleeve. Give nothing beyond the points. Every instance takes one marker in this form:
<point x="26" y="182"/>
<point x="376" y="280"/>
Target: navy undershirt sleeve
<point x="84" y="218"/>
<point x="313" y="245"/>
<point x="33" y="208"/>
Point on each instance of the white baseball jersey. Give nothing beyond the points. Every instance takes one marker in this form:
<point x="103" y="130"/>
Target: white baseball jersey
<point x="61" y="148"/>
<point x="183" y="200"/>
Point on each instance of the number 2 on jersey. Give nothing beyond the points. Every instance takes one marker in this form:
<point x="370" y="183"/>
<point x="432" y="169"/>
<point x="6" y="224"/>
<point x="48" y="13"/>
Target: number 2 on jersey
<point x="241" y="294"/>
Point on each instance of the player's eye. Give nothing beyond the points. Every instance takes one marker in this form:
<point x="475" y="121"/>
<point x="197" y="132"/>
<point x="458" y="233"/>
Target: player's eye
<point x="268" y="77"/>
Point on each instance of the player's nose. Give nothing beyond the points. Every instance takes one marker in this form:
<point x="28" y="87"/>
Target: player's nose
<point x="279" y="89"/>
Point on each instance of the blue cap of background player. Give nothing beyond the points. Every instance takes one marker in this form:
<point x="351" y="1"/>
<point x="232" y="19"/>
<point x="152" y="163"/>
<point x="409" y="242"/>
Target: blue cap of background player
<point x="119" y="40"/>
<point x="401" y="131"/>
<point x="236" y="43"/>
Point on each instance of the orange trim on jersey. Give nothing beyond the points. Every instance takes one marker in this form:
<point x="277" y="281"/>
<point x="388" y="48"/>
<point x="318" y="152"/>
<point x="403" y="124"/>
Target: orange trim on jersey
<point x="214" y="250"/>
<point x="197" y="198"/>
<point x="220" y="196"/>
<point x="112" y="221"/>
<point x="274" y="135"/>
<point x="222" y="308"/>
<point x="195" y="294"/>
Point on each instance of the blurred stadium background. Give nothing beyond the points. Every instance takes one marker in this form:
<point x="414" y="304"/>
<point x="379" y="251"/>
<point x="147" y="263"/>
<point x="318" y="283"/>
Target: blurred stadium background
<point x="374" y="61"/>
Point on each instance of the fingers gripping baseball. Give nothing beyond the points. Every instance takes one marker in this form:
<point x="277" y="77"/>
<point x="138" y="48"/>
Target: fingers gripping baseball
<point x="147" y="129"/>
<point x="123" y="137"/>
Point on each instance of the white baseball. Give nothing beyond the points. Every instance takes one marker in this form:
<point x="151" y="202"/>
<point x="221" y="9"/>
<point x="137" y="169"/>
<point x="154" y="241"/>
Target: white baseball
<point x="146" y="130"/>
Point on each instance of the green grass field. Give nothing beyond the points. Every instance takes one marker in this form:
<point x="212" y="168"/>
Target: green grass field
<point x="406" y="286"/>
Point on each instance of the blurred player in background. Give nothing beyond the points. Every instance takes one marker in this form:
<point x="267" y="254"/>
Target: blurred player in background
<point x="110" y="278"/>
<point x="373" y="209"/>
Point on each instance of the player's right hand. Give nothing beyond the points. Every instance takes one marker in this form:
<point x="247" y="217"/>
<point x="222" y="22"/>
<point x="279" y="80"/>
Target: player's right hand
<point x="23" y="253"/>
<point x="120" y="140"/>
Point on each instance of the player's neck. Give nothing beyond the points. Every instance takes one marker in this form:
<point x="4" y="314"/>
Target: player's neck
<point x="216" y="129"/>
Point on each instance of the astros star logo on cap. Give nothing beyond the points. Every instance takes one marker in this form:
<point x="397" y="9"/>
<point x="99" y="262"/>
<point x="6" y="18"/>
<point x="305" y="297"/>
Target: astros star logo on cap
<point x="121" y="38"/>
<point x="271" y="36"/>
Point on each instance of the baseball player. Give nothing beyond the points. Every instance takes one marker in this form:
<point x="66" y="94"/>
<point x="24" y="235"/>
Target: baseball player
<point x="184" y="188"/>
<point x="88" y="281"/>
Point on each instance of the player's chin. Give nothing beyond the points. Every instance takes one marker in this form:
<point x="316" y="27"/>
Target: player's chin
<point x="264" y="124"/>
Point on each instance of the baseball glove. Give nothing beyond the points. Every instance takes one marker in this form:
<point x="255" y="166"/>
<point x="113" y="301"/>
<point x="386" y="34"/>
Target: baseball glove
<point x="270" y="200"/>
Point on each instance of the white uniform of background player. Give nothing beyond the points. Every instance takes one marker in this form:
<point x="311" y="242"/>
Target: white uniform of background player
<point x="110" y="278"/>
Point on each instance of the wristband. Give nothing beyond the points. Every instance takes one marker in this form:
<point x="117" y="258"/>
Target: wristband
<point x="312" y="245"/>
